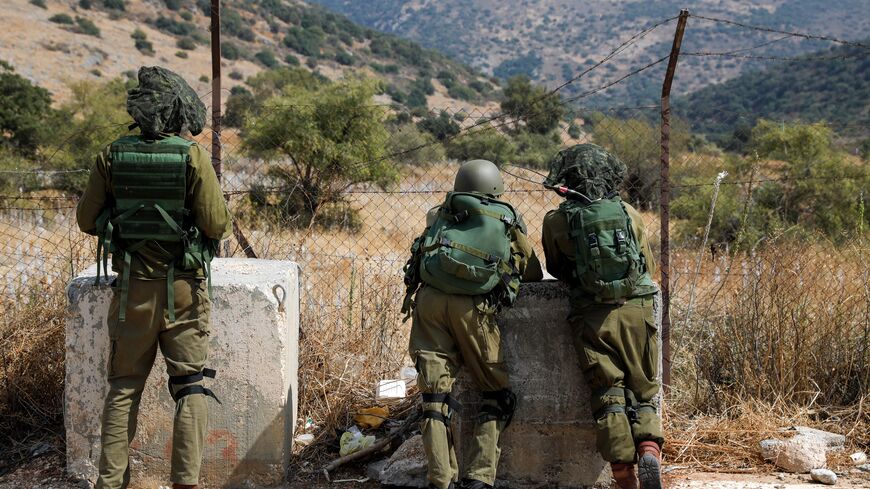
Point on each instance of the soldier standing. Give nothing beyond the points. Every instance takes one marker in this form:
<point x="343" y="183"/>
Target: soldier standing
<point x="469" y="260"/>
<point x="597" y="244"/>
<point x="154" y="202"/>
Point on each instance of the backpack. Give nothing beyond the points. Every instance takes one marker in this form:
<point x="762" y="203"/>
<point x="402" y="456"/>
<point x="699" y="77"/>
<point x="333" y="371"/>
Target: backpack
<point x="609" y="263"/>
<point x="149" y="185"/>
<point x="467" y="250"/>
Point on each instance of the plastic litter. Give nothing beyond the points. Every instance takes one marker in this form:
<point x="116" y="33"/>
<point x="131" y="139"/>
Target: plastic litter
<point x="304" y="440"/>
<point x="391" y="389"/>
<point x="353" y="441"/>
<point x="371" y="418"/>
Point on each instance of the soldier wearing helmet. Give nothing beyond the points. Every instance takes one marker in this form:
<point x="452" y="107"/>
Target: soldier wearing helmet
<point x="464" y="268"/>
<point x="155" y="204"/>
<point x="597" y="245"/>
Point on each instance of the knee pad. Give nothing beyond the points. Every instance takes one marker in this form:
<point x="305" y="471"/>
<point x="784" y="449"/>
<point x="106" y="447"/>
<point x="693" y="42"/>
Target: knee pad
<point x="445" y="399"/>
<point x="195" y="387"/>
<point x="498" y="405"/>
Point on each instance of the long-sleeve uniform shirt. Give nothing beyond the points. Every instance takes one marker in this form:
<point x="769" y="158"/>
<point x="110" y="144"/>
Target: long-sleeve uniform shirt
<point x="204" y="199"/>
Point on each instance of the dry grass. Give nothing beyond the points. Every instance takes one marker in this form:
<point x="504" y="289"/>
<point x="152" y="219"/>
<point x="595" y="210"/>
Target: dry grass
<point x="31" y="370"/>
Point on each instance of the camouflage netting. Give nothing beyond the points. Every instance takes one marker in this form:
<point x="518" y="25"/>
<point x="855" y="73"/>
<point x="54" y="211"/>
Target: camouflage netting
<point x="588" y="169"/>
<point x="164" y="103"/>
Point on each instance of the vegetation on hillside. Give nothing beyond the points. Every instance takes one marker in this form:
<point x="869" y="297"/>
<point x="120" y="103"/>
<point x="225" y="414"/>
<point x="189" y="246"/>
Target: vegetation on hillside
<point x="831" y="85"/>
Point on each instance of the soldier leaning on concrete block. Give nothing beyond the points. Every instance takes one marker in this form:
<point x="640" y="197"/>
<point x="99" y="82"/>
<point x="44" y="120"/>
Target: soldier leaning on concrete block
<point x="468" y="264"/>
<point x="154" y="202"/>
<point x="597" y="244"/>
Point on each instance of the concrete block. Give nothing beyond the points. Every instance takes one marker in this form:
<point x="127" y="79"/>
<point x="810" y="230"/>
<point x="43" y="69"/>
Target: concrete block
<point x="551" y="442"/>
<point x="254" y="348"/>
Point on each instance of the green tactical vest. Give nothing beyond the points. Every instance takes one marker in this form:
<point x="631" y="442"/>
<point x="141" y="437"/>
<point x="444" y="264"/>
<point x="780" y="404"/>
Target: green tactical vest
<point x="467" y="250"/>
<point x="149" y="185"/>
<point x="609" y="264"/>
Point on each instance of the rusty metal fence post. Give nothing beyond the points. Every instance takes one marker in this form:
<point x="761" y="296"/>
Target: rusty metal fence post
<point x="665" y="187"/>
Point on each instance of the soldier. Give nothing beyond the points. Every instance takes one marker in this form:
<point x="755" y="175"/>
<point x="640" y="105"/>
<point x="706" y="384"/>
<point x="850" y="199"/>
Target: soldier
<point x="597" y="244"/>
<point x="154" y="201"/>
<point x="469" y="260"/>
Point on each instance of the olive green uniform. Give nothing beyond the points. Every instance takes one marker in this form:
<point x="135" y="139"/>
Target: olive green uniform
<point x="134" y="342"/>
<point x="617" y="345"/>
<point x="450" y="331"/>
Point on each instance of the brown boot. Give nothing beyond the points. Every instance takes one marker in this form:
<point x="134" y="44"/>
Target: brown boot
<point x="184" y="486"/>
<point x="624" y="476"/>
<point x="649" y="465"/>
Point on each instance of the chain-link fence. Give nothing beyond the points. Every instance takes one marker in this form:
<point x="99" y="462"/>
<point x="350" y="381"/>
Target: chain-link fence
<point x="768" y="268"/>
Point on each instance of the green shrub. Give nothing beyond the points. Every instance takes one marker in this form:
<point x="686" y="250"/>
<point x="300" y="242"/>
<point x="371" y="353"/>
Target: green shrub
<point x="292" y="60"/>
<point x="344" y="58"/>
<point x="187" y="16"/>
<point x="142" y="43"/>
<point x="414" y="147"/>
<point x="114" y="4"/>
<point x="239" y="103"/>
<point x="311" y="62"/>
<point x="305" y="41"/>
<point x="461" y="92"/>
<point x="24" y="111"/>
<point x="62" y="19"/>
<point x="485" y="143"/>
<point x="85" y="26"/>
<point x="441" y="127"/>
<point x="173" y="26"/>
<point x="235" y="75"/>
<point x="230" y="51"/>
<point x="266" y="58"/>
<point x="39" y="3"/>
<point x="173" y="4"/>
<point x="417" y="99"/>
<point x="186" y="43"/>
<point x="181" y="54"/>
<point x="205" y="79"/>
<point x="85" y="4"/>
<point x="535" y="150"/>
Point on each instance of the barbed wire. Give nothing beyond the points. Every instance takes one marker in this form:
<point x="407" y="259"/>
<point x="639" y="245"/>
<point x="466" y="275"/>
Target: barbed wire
<point x="778" y="58"/>
<point x="815" y="37"/>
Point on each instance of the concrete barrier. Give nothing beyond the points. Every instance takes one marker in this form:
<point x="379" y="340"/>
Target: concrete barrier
<point x="551" y="442"/>
<point x="254" y="348"/>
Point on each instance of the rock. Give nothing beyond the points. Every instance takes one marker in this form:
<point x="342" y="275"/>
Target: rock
<point x="824" y="476"/>
<point x="831" y="441"/>
<point x="769" y="449"/>
<point x="407" y="466"/>
<point x="858" y="458"/>
<point x="798" y="455"/>
<point x="864" y="468"/>
<point x="374" y="469"/>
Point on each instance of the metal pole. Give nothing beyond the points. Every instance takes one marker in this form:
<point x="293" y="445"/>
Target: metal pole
<point x="666" y="198"/>
<point x="216" y="88"/>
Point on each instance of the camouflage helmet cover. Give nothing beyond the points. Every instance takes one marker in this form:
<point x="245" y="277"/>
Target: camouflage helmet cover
<point x="164" y="103"/>
<point x="479" y="176"/>
<point x="588" y="169"/>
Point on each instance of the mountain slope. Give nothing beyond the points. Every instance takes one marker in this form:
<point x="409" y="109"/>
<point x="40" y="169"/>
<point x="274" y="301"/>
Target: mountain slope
<point x="834" y="90"/>
<point x="70" y="40"/>
<point x="555" y="39"/>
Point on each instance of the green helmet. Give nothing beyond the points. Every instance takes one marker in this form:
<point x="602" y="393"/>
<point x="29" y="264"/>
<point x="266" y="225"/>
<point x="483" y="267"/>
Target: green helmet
<point x="164" y="103"/>
<point x="479" y="176"/>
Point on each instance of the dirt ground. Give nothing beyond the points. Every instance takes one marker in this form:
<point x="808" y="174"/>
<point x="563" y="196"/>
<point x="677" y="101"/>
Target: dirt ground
<point x="47" y="472"/>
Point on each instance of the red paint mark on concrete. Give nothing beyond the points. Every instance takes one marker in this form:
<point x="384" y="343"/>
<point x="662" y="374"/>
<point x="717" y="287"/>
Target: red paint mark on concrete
<point x="229" y="452"/>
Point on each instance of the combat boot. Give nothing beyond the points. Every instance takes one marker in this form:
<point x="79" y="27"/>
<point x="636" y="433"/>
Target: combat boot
<point x="624" y="475"/>
<point x="649" y="465"/>
<point x="473" y="484"/>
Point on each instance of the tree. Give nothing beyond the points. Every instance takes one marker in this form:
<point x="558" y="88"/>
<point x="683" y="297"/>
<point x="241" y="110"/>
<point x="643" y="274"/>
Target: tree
<point x="485" y="143"/>
<point x="95" y="116"/>
<point x="533" y="107"/>
<point x="24" y="108"/>
<point x="320" y="141"/>
<point x="442" y="127"/>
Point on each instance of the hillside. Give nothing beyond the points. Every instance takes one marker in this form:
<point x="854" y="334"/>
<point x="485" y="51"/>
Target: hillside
<point x="554" y="40"/>
<point x="835" y="91"/>
<point x="104" y="39"/>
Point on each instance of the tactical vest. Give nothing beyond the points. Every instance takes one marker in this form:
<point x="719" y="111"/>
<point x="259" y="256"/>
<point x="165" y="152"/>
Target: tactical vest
<point x="149" y="185"/>
<point x="467" y="250"/>
<point x="608" y="262"/>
